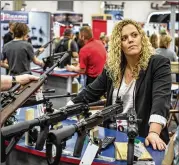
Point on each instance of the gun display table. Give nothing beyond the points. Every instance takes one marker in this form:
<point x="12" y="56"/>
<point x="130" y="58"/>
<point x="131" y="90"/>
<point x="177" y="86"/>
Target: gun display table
<point x="61" y="81"/>
<point x="28" y="155"/>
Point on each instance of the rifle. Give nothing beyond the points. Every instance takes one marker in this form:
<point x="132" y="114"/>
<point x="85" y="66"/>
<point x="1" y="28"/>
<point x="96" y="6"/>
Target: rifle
<point x="58" y="137"/>
<point x="132" y="132"/>
<point x="49" y="61"/>
<point x="26" y="92"/>
<point x="17" y="130"/>
<point x="37" y="53"/>
<point x="32" y="101"/>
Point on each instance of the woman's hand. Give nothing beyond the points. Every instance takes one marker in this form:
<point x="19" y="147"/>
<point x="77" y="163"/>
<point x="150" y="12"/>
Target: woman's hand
<point x="155" y="140"/>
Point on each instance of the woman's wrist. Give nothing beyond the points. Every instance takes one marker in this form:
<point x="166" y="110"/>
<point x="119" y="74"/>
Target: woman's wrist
<point x="155" y="128"/>
<point x="154" y="132"/>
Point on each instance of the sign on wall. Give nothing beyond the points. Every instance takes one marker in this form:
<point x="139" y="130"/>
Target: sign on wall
<point x="116" y="14"/>
<point x="60" y="17"/>
<point x="74" y="18"/>
<point x="67" y="18"/>
<point x="14" y="16"/>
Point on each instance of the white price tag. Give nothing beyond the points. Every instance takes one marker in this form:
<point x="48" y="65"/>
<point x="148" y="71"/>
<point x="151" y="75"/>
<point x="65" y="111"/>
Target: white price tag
<point x="138" y="148"/>
<point x="89" y="154"/>
<point x="144" y="163"/>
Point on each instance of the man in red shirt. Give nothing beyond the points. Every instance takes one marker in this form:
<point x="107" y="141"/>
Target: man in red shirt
<point x="92" y="56"/>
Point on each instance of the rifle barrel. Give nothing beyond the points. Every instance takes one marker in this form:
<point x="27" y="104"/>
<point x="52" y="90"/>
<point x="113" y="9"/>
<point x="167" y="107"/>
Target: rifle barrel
<point x="60" y="96"/>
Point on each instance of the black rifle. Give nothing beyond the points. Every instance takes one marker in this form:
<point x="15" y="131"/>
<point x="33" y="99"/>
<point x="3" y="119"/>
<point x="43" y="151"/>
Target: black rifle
<point x="24" y="94"/>
<point x="132" y="132"/>
<point x="37" y="53"/>
<point x="32" y="101"/>
<point x="58" y="137"/>
<point x="17" y="130"/>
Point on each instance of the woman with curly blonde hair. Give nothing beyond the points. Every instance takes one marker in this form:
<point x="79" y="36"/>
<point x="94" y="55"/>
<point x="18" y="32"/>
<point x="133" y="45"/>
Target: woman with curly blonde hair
<point x="141" y="79"/>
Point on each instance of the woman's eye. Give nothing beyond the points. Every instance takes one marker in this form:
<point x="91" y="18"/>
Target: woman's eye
<point x="135" y="35"/>
<point x="124" y="38"/>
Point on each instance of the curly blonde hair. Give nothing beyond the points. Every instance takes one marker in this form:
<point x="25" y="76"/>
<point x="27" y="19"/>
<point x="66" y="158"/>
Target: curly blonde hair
<point x="116" y="59"/>
<point x="165" y="40"/>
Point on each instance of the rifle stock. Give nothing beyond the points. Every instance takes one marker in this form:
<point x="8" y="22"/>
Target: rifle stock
<point x="26" y="92"/>
<point x="29" y="89"/>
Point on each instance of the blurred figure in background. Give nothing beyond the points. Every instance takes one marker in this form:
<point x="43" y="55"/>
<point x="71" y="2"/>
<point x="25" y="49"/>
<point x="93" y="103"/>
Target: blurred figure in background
<point x="164" y="48"/>
<point x="107" y="42"/>
<point x="19" y="53"/>
<point x="92" y="56"/>
<point x="78" y="41"/>
<point x="177" y="46"/>
<point x="102" y="38"/>
<point x="9" y="35"/>
<point x="154" y="40"/>
<point x="7" y="38"/>
<point x="67" y="44"/>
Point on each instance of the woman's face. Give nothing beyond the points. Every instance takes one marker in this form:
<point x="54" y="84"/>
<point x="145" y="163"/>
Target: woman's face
<point x="131" y="40"/>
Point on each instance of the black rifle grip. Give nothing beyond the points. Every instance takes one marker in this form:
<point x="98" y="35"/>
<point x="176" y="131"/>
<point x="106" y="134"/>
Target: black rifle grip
<point x="79" y="144"/>
<point x="41" y="138"/>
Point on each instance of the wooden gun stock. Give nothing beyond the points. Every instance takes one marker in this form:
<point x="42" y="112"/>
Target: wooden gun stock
<point x="26" y="92"/>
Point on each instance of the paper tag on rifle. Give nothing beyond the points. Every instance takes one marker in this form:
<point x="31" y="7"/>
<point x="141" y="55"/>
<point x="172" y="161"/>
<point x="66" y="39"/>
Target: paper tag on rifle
<point x="89" y="154"/>
<point x="138" y="148"/>
<point x="144" y="163"/>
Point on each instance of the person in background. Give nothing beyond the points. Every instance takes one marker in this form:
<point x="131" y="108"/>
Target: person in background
<point x="8" y="81"/>
<point x="102" y="38"/>
<point x="140" y="78"/>
<point x="164" y="48"/>
<point x="107" y="42"/>
<point x="19" y="53"/>
<point x="92" y="56"/>
<point x="9" y="35"/>
<point x="78" y="41"/>
<point x="154" y="40"/>
<point x="177" y="46"/>
<point x="7" y="38"/>
<point x="67" y="44"/>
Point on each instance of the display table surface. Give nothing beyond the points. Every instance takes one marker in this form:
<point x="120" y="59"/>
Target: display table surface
<point x="108" y="153"/>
